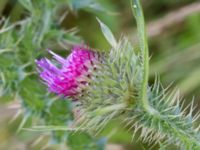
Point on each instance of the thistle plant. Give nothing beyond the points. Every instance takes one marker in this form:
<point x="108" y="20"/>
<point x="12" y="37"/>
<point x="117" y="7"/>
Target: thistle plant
<point x="103" y="86"/>
<point x="118" y="87"/>
<point x="23" y="41"/>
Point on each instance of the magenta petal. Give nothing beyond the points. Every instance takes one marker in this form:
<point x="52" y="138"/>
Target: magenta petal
<point x="64" y="80"/>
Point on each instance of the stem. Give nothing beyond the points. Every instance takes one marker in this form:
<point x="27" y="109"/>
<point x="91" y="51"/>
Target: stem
<point x="138" y="13"/>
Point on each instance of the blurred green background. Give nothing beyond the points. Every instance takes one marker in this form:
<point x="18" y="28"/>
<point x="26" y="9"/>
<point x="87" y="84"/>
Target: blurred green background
<point x="174" y="41"/>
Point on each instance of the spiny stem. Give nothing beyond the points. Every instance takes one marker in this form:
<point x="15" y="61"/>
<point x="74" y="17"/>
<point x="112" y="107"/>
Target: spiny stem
<point x="138" y="13"/>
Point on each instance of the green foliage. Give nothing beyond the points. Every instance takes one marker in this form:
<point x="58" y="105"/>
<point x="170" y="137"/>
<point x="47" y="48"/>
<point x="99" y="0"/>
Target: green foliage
<point x="114" y="86"/>
<point x="119" y="87"/>
<point x="171" y="123"/>
<point x="108" y="34"/>
<point x="20" y="44"/>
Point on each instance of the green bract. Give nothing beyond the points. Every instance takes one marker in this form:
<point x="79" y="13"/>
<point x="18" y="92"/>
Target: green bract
<point x="114" y="86"/>
<point x="115" y="93"/>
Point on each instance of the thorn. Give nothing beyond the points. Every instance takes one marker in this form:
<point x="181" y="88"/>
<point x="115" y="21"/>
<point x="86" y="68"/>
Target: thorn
<point x="37" y="141"/>
<point x="19" y="112"/>
<point x="24" y="120"/>
<point x="45" y="146"/>
<point x="196" y="117"/>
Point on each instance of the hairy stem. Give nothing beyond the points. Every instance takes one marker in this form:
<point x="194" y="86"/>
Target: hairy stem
<point x="138" y="13"/>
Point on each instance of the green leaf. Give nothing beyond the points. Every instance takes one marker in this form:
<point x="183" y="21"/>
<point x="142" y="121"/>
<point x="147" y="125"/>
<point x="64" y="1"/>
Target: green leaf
<point x="108" y="34"/>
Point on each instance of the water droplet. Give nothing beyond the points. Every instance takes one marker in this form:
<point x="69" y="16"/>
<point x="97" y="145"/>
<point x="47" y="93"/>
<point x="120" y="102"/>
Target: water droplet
<point x="134" y="6"/>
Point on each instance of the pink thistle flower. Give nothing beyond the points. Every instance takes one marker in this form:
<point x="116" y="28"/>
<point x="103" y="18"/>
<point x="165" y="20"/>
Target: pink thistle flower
<point x="74" y="72"/>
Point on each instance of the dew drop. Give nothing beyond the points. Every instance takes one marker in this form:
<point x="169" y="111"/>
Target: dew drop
<point x="134" y="6"/>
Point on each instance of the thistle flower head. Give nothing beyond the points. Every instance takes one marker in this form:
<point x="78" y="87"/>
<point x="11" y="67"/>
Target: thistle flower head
<point x="73" y="73"/>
